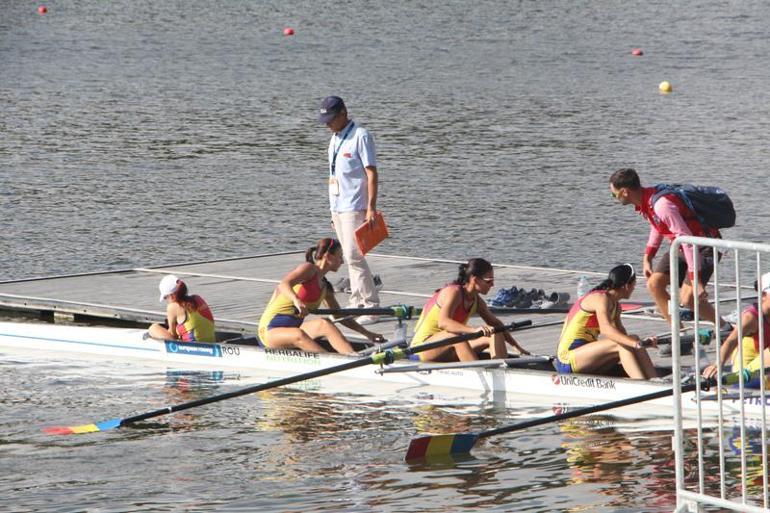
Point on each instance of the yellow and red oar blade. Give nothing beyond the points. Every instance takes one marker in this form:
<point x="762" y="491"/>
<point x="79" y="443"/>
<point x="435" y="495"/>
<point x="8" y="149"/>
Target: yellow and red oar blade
<point x="85" y="428"/>
<point x="440" y="445"/>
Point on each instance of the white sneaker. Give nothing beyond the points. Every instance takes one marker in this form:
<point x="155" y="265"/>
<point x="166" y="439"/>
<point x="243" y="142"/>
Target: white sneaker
<point x="342" y="285"/>
<point x="367" y="319"/>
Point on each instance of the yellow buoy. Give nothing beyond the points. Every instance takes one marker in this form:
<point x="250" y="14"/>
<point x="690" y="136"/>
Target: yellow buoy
<point x="665" y="87"/>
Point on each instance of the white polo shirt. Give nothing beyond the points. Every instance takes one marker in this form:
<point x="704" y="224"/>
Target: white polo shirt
<point x="354" y="149"/>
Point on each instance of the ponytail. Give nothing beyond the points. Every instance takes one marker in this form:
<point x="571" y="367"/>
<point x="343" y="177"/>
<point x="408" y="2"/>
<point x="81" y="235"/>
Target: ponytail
<point x="184" y="298"/>
<point x="474" y="267"/>
<point x="315" y="253"/>
<point x="619" y="276"/>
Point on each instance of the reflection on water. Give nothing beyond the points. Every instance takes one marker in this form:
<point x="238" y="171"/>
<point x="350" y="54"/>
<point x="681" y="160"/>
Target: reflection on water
<point x="294" y="450"/>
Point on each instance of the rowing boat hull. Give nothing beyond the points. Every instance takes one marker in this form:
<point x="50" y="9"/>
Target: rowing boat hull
<point x="516" y="384"/>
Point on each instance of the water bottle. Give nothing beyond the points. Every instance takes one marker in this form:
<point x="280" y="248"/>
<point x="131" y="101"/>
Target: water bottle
<point x="582" y="287"/>
<point x="400" y="332"/>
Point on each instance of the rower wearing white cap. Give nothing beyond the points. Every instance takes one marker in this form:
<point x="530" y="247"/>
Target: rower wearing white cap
<point x="189" y="318"/>
<point x="729" y="352"/>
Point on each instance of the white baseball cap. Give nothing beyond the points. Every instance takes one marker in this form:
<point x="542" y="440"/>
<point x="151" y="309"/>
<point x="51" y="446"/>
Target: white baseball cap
<point x="765" y="282"/>
<point x="168" y="285"/>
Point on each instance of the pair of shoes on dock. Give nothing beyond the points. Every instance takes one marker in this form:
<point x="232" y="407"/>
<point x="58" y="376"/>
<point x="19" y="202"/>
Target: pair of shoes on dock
<point x="533" y="298"/>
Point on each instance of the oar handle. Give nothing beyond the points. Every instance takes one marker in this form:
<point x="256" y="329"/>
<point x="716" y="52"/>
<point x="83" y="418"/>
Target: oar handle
<point x="399" y="311"/>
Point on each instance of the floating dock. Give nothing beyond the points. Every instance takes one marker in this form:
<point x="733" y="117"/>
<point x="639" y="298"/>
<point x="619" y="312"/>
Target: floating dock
<point x="238" y="289"/>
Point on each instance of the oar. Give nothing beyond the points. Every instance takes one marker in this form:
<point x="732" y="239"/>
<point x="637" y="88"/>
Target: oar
<point x="459" y="443"/>
<point x="399" y="311"/>
<point x="385" y="357"/>
<point x="407" y="312"/>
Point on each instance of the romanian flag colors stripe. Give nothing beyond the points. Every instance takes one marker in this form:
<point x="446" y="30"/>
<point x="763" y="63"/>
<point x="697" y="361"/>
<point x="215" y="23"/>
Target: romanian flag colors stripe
<point x="85" y="428"/>
<point x="440" y="445"/>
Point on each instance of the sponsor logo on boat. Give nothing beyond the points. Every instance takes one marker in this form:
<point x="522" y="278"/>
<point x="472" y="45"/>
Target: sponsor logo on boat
<point x="292" y="355"/>
<point x="196" y="349"/>
<point x="575" y="380"/>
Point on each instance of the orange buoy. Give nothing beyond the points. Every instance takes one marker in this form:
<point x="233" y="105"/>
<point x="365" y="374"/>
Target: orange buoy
<point x="288" y="31"/>
<point x="42" y="9"/>
<point x="637" y="52"/>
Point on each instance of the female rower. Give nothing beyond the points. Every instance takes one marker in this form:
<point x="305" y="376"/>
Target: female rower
<point x="283" y="323"/>
<point x="188" y="318"/>
<point x="751" y="346"/>
<point x="447" y="312"/>
<point x="580" y="348"/>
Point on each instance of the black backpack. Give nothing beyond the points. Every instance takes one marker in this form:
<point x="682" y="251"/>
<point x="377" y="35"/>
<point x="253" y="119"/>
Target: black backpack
<point x="711" y="205"/>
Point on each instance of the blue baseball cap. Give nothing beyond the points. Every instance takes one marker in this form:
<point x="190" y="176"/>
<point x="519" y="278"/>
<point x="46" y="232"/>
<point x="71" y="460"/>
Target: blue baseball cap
<point x="330" y="107"/>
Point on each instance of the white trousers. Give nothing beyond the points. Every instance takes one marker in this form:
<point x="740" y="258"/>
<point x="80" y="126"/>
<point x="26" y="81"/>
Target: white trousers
<point x="362" y="291"/>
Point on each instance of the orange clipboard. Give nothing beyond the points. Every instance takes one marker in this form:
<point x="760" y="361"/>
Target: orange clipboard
<point x="368" y="236"/>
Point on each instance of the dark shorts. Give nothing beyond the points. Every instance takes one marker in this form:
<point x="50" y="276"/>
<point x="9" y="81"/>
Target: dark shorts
<point x="706" y="268"/>
<point x="285" y="321"/>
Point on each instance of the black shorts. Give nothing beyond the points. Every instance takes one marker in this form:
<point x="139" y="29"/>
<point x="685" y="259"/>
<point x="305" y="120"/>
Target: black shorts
<point x="706" y="268"/>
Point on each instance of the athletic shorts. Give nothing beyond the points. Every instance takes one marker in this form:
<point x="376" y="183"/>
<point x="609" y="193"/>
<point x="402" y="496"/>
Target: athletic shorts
<point x="279" y="321"/>
<point x="706" y="268"/>
<point x="569" y="366"/>
<point x="285" y="321"/>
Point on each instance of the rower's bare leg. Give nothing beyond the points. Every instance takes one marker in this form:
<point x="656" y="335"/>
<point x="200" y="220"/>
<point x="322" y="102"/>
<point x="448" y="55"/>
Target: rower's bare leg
<point x="495" y="343"/>
<point x="160" y="332"/>
<point x="596" y="357"/>
<point x="292" y="338"/>
<point x="458" y="352"/>
<point x="325" y="328"/>
<point x="705" y="309"/>
<point x="657" y="284"/>
<point x="636" y="363"/>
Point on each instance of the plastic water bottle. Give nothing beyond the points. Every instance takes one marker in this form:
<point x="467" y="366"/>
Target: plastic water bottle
<point x="400" y="332"/>
<point x="582" y="287"/>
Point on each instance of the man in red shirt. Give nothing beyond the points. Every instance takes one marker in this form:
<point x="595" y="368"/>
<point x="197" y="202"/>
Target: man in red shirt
<point x="668" y="217"/>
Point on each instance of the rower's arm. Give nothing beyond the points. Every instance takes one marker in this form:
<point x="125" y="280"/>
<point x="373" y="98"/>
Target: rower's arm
<point x="601" y="304"/>
<point x="492" y="320"/>
<point x="449" y="299"/>
<point x="749" y="326"/>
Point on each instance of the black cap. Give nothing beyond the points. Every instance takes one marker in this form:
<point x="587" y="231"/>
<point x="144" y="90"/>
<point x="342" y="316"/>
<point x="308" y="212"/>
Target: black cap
<point x="330" y="107"/>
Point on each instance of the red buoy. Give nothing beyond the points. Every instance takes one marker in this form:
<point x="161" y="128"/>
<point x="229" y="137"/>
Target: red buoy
<point x="637" y="52"/>
<point x="288" y="31"/>
<point x="42" y="9"/>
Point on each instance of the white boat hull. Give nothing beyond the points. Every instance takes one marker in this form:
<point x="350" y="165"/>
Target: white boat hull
<point x="513" y="384"/>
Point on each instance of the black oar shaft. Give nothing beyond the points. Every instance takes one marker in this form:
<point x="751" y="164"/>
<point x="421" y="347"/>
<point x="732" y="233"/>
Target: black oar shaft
<point x="354" y="311"/>
<point x="385" y="357"/>
<point x="249" y="390"/>
<point x="584" y="411"/>
<point x="408" y="311"/>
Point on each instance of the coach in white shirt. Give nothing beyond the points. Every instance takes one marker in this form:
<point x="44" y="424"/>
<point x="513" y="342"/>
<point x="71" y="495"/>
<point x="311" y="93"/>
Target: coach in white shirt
<point x="352" y="195"/>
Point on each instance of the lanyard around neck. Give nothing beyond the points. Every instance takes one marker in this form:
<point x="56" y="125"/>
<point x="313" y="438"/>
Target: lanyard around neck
<point x="337" y="150"/>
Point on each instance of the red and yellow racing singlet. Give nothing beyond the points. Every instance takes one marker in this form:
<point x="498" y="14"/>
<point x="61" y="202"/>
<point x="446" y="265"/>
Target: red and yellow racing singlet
<point x="199" y="323"/>
<point x="427" y="325"/>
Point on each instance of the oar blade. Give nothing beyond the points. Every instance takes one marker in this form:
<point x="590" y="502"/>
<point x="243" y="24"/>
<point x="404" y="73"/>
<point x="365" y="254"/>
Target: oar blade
<point x="84" y="428"/>
<point x="440" y="445"/>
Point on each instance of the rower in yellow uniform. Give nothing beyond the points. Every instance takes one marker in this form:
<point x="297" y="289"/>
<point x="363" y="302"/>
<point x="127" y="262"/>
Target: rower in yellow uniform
<point x="188" y="317"/>
<point x="447" y="312"/>
<point x="304" y="289"/>
<point x="752" y="348"/>
<point x="597" y="313"/>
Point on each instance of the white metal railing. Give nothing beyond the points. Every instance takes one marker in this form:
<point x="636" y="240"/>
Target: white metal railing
<point x="700" y="487"/>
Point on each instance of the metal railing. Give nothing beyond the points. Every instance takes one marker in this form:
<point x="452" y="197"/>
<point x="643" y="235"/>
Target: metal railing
<point x="713" y="480"/>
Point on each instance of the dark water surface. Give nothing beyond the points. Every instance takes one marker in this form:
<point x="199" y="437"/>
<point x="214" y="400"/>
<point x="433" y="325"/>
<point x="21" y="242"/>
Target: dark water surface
<point x="139" y="133"/>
